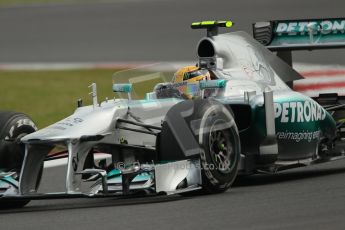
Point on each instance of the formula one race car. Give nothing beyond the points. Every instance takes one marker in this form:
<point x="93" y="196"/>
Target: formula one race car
<point x="192" y="132"/>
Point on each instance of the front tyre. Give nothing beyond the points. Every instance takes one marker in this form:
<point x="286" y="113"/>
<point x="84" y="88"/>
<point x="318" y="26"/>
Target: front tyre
<point x="13" y="126"/>
<point x="218" y="136"/>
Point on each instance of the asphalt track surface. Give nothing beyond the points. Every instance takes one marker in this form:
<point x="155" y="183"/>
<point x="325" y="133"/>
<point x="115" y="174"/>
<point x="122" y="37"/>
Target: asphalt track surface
<point x="308" y="198"/>
<point x="305" y="198"/>
<point x="140" y="30"/>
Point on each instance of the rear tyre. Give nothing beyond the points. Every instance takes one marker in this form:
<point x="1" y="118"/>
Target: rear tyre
<point x="218" y="136"/>
<point x="13" y="126"/>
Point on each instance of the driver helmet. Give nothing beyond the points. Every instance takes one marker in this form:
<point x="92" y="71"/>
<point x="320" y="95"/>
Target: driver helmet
<point x="191" y="74"/>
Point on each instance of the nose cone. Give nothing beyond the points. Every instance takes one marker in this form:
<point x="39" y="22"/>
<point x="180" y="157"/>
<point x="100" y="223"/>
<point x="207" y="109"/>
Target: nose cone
<point x="85" y="121"/>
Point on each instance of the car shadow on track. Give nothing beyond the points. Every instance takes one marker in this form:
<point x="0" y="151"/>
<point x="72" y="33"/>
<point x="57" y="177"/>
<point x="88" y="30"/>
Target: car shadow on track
<point x="82" y="203"/>
<point x="285" y="176"/>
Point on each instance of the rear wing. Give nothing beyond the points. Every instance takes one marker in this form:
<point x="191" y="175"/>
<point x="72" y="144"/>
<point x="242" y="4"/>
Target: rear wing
<point x="285" y="36"/>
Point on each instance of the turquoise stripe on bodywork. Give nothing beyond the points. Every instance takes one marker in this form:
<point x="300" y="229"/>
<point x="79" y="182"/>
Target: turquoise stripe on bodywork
<point x="114" y="176"/>
<point x="8" y="180"/>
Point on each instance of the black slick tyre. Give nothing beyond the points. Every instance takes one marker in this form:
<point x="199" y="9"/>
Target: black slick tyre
<point x="13" y="126"/>
<point x="218" y="136"/>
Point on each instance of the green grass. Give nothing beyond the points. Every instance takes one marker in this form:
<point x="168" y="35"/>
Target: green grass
<point x="48" y="96"/>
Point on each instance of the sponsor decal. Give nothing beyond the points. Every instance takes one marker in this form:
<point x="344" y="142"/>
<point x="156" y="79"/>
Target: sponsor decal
<point x="298" y="136"/>
<point x="306" y="111"/>
<point x="70" y="121"/>
<point x="303" y="27"/>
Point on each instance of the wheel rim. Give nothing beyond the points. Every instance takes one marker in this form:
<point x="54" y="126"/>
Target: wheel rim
<point x="221" y="149"/>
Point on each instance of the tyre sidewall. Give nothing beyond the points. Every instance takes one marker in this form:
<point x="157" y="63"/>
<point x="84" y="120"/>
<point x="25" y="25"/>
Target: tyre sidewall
<point x="214" y="113"/>
<point x="13" y="126"/>
<point x="11" y="151"/>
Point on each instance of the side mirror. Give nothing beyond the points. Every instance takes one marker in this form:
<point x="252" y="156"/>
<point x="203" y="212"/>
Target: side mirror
<point x="123" y="88"/>
<point x="212" y="84"/>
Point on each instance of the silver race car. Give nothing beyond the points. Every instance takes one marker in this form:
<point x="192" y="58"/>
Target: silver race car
<point x="191" y="132"/>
